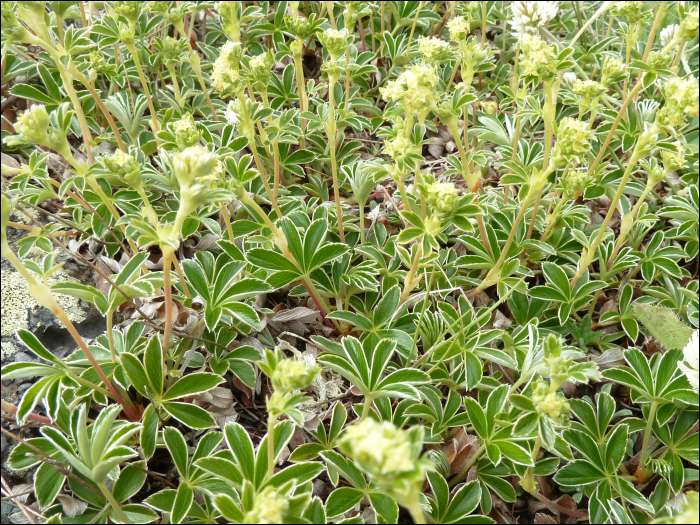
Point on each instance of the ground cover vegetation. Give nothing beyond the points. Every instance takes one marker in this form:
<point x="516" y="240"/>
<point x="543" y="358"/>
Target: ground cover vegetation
<point x="358" y="262"/>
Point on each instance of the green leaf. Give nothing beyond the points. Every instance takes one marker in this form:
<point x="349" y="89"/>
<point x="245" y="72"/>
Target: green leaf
<point x="663" y="325"/>
<point x="153" y="364"/>
<point x="190" y="415"/>
<point x="137" y="374"/>
<point x="514" y="452"/>
<point x="463" y="503"/>
<point x="477" y="418"/>
<point x="36" y="347"/>
<point x="342" y="500"/>
<point x="149" y="431"/>
<point x="183" y="501"/>
<point x="47" y="484"/>
<point x="192" y="384"/>
<point x="578" y="472"/>
<point x="178" y="450"/>
<point x="129" y="483"/>
<point x="135" y="513"/>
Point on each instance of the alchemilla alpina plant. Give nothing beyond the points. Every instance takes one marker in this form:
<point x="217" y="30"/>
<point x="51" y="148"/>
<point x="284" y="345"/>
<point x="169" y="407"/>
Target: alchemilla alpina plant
<point x="357" y="262"/>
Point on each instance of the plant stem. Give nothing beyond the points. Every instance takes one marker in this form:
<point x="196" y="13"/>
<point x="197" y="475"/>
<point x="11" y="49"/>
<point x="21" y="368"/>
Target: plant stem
<point x="113" y="502"/>
<point x="362" y="222"/>
<point x="366" y="407"/>
<point x="334" y="164"/>
<point x="271" y="421"/>
<point x="303" y="101"/>
<point x="110" y="335"/>
<point x="548" y="117"/>
<point x="416" y="512"/>
<point x="504" y="252"/>
<point x="263" y="176"/>
<point x="176" y="84"/>
<point x="641" y="468"/>
<point x="611" y="133"/>
<point x="588" y="257"/>
<point x="227" y="221"/>
<point x="78" y="108"/>
<point x="410" y="280"/>
<point x="167" y="256"/>
<point x="153" y="122"/>
<point x="181" y="276"/>
<point x="465" y="469"/>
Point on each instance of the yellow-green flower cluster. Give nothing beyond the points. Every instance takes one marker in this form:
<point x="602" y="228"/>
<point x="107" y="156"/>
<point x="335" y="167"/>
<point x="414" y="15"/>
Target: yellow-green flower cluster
<point x="335" y="41"/>
<point x="11" y="27"/>
<point x="225" y="77"/>
<point x="674" y="160"/>
<point x="129" y="10"/>
<point x="229" y="18"/>
<point x="415" y="89"/>
<point x="588" y="89"/>
<point x="33" y="125"/>
<point x="299" y="26"/>
<point x="193" y="169"/>
<point x="125" y="167"/>
<point x="538" y="58"/>
<point x="458" y="28"/>
<point x="186" y="132"/>
<point x="613" y="69"/>
<point x="390" y="456"/>
<point x="400" y="146"/>
<point x="172" y="50"/>
<point x="269" y="507"/>
<point x="688" y="29"/>
<point x="158" y="7"/>
<point x="443" y="197"/>
<point x="292" y="375"/>
<point x="553" y="404"/>
<point x="575" y="181"/>
<point x="434" y="50"/>
<point x="632" y="11"/>
<point x="682" y="95"/>
<point x="260" y="67"/>
<point x="658" y="60"/>
<point x="572" y="141"/>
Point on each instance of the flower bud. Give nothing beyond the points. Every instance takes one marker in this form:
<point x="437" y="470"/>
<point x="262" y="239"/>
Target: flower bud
<point x="292" y="375"/>
<point x="390" y="457"/>
<point x="672" y="160"/>
<point x="434" y="50"/>
<point x="125" y="167"/>
<point x="13" y="30"/>
<point x="335" y="42"/>
<point x="572" y="141"/>
<point x="688" y="29"/>
<point x="186" y="132"/>
<point x="192" y="165"/>
<point x="299" y="26"/>
<point x="228" y="11"/>
<point x="575" y="181"/>
<point x="681" y="95"/>
<point x="538" y="59"/>
<point x="158" y="7"/>
<point x="171" y="50"/>
<point x="550" y="403"/>
<point x="268" y="507"/>
<point x="613" y="70"/>
<point x="458" y="28"/>
<point x="588" y="89"/>
<point x="126" y="35"/>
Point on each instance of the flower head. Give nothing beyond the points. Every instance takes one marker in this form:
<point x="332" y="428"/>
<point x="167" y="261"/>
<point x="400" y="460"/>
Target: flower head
<point x="632" y="11"/>
<point x="415" y="89"/>
<point x="33" y="125"/>
<point x="614" y="69"/>
<point x="552" y="404"/>
<point x="291" y="374"/>
<point x="588" y="89"/>
<point x="390" y="456"/>
<point x="335" y="41"/>
<point x="434" y="50"/>
<point x="159" y="7"/>
<point x="538" y="59"/>
<point x="458" y="28"/>
<point x="260" y="67"/>
<point x="269" y="507"/>
<point x="443" y="197"/>
<point x="529" y="17"/>
<point x="299" y="26"/>
<point x="690" y="364"/>
<point x="225" y="77"/>
<point x="572" y="141"/>
<point x="186" y="132"/>
<point x="193" y="166"/>
<point x="125" y="167"/>
<point x="674" y="160"/>
<point x="667" y="34"/>
<point x="171" y="50"/>
<point x="575" y="181"/>
<point x="688" y="29"/>
<point x="129" y="10"/>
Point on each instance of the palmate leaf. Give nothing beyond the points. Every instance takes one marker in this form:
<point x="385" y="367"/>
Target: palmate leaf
<point x="363" y="364"/>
